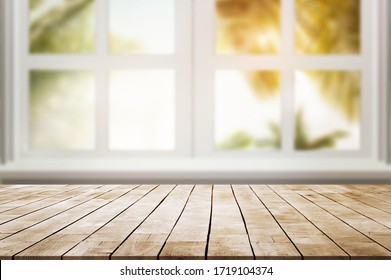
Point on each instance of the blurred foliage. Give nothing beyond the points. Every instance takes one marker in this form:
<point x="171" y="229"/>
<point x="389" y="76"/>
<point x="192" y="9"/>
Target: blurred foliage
<point x="119" y="45"/>
<point x="61" y="109"/>
<point x="48" y="86"/>
<point x="303" y="141"/>
<point x="323" y="27"/>
<point x="332" y="27"/>
<point x="265" y="84"/>
<point x="340" y="89"/>
<point x="248" y="26"/>
<point x="67" y="27"/>
<point x="327" y="26"/>
<point x="243" y="140"/>
<point x="42" y="85"/>
<point x="35" y="3"/>
<point x="238" y="141"/>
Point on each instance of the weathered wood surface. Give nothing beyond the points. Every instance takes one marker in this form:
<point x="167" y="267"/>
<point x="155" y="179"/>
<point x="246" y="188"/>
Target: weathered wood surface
<point x="195" y="222"/>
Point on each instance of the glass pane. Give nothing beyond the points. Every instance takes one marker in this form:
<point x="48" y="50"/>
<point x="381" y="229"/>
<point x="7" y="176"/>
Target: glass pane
<point x="62" y="110"/>
<point x="327" y="110"/>
<point x="142" y="26"/>
<point x="327" y="26"/>
<point x="248" y="26"/>
<point x="248" y="114"/>
<point x="142" y="110"/>
<point x="62" y="26"/>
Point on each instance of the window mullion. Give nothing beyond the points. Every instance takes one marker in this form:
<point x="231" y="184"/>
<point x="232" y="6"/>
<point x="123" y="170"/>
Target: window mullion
<point x="204" y="65"/>
<point x="6" y="86"/>
<point x="184" y="110"/>
<point x="102" y="72"/>
<point x="21" y="98"/>
<point x="287" y="84"/>
<point x="370" y="103"/>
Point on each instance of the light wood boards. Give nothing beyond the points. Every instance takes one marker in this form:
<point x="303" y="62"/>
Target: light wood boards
<point x="148" y="239"/>
<point x="308" y="239"/>
<point x="369" y="211"/>
<point x="102" y="243"/>
<point x="353" y="242"/>
<point x="267" y="238"/>
<point x="372" y="229"/>
<point x="195" y="222"/>
<point x="228" y="235"/>
<point x="11" y="211"/>
<point x="62" y="241"/>
<point x="189" y="237"/>
<point x="34" y="230"/>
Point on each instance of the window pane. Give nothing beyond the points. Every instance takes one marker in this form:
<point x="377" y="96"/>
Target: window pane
<point x="62" y="110"/>
<point x="142" y="110"/>
<point x="248" y="26"/>
<point x="327" y="110"/>
<point x="328" y="26"/>
<point x="142" y="26"/>
<point x="62" y="26"/>
<point x="248" y="114"/>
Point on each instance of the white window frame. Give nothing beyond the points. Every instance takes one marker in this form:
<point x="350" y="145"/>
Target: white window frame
<point x="286" y="63"/>
<point x="195" y="156"/>
<point x="102" y="62"/>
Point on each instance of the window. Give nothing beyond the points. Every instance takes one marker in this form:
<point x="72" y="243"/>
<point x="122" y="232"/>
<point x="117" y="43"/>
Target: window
<point x="287" y="76"/>
<point x="197" y="80"/>
<point x="105" y="77"/>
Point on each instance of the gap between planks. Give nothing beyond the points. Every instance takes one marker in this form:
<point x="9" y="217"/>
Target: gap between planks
<point x="195" y="222"/>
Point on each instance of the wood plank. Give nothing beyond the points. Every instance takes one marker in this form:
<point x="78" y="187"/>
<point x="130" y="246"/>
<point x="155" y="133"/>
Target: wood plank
<point x="29" y="220"/>
<point x="4" y="188"/>
<point x="50" y="191"/>
<point x="28" y="208"/>
<point x="20" y="193"/>
<point x="147" y="240"/>
<point x="276" y="222"/>
<point x="62" y="241"/>
<point x="308" y="239"/>
<point x="364" y="198"/>
<point x="101" y="244"/>
<point x="370" y="228"/>
<point x="228" y="236"/>
<point x="369" y="190"/>
<point x="384" y="188"/>
<point x="7" y="190"/>
<point x="20" y="241"/>
<point x="10" y="187"/>
<point x="189" y="237"/>
<point x="266" y="236"/>
<point x="13" y="188"/>
<point x="364" y="209"/>
<point x="348" y="238"/>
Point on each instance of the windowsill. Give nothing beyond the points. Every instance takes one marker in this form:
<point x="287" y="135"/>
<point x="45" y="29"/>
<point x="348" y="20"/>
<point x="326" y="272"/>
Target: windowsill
<point x="196" y="170"/>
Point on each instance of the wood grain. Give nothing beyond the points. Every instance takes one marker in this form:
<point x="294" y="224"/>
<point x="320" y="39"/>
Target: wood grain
<point x="18" y="241"/>
<point x="102" y="243"/>
<point x="267" y="238"/>
<point x="345" y="236"/>
<point x="195" y="222"/>
<point x="228" y="235"/>
<point x="190" y="235"/>
<point x="16" y="212"/>
<point x="62" y="241"/>
<point x="362" y="208"/>
<point x="308" y="239"/>
<point x="147" y="240"/>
